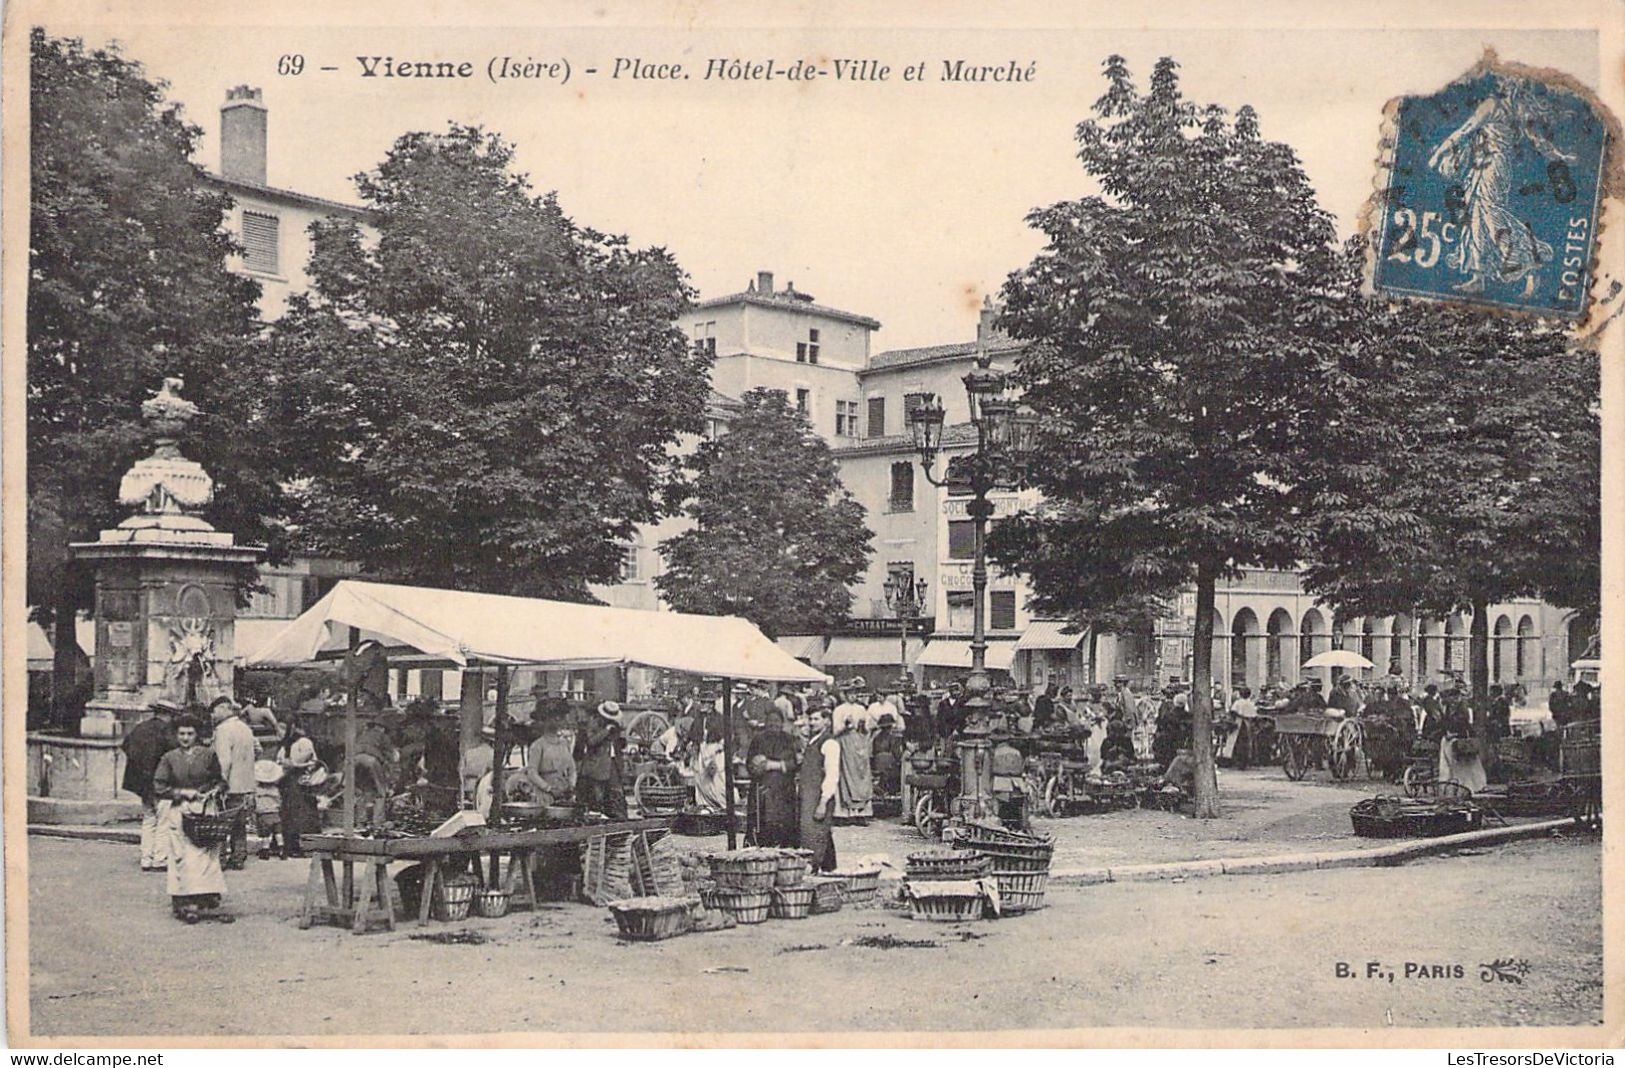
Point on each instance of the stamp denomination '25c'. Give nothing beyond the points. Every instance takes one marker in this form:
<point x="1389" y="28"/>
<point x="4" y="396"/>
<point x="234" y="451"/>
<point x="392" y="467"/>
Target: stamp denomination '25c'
<point x="1493" y="195"/>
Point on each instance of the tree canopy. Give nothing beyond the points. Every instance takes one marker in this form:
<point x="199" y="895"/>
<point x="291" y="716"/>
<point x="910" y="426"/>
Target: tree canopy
<point x="127" y="284"/>
<point x="776" y="539"/>
<point x="1178" y="329"/>
<point x="488" y="395"/>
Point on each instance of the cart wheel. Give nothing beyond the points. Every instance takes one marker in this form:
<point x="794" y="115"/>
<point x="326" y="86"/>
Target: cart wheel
<point x="1294" y="761"/>
<point x="648" y="778"/>
<point x="1053" y="801"/>
<point x="1344" y="758"/>
<point x="1417" y="780"/>
<point x="927" y="820"/>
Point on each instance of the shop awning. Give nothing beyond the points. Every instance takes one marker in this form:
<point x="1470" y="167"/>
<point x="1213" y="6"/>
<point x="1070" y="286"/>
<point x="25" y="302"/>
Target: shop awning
<point x="426" y="627"/>
<point x="1050" y="634"/>
<point x="808" y="647"/>
<point x="952" y="653"/>
<point x="851" y="652"/>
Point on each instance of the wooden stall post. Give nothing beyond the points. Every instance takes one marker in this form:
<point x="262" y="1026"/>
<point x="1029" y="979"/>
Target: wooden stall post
<point x="349" y="738"/>
<point x="498" y="744"/>
<point x="728" y="757"/>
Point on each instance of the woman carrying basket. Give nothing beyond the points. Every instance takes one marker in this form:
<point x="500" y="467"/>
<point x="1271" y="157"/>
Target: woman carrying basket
<point x="189" y="777"/>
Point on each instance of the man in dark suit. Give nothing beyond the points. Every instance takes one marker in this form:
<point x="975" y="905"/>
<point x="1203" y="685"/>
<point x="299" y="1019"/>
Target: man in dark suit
<point x="144" y="746"/>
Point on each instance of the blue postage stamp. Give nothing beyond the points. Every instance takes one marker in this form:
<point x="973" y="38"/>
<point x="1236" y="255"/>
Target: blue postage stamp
<point x="1493" y="193"/>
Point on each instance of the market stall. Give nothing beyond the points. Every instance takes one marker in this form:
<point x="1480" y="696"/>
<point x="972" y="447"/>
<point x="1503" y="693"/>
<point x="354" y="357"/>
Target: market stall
<point x="425" y="627"/>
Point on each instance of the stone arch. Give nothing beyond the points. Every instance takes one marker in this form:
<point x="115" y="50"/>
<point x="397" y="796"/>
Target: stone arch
<point x="1246" y="659"/>
<point x="1282" y="642"/>
<point x="1314" y="638"/>
<point x="1501" y="657"/>
<point x="1221" y="651"/>
<point x="1528" y="660"/>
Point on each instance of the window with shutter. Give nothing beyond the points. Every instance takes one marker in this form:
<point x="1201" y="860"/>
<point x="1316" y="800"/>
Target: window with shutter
<point x="260" y="241"/>
<point x="877" y="417"/>
<point x="902" y="487"/>
<point x="961" y="539"/>
<point x="1002" y="609"/>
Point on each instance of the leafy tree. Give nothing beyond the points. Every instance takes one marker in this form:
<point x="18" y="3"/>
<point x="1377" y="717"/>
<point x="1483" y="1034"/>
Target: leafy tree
<point x="127" y="284"/>
<point x="1177" y="324"/>
<point x="488" y="395"/>
<point x="777" y="538"/>
<point x="1467" y="470"/>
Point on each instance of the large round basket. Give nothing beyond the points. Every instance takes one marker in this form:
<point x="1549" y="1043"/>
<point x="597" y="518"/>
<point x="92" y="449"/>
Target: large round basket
<point x="1414" y="817"/>
<point x="650" y="919"/>
<point x="791" y="902"/>
<point x="745" y="906"/>
<point x="746" y="869"/>
<point x="947" y="864"/>
<point x="1021" y="891"/>
<point x="861" y="886"/>
<point x="791" y="870"/>
<point x="453" y="898"/>
<point x="492" y="903"/>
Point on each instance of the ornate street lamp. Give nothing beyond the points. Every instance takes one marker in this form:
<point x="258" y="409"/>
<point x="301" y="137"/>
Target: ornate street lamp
<point x="906" y="600"/>
<point x="1005" y="438"/>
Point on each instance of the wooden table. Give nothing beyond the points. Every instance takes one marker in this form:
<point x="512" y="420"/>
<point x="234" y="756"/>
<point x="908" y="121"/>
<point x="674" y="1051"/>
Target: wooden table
<point x="336" y="897"/>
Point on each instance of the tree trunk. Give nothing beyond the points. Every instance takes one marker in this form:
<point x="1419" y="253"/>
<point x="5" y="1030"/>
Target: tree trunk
<point x="1478" y="668"/>
<point x="1207" y="776"/>
<point x="64" y="662"/>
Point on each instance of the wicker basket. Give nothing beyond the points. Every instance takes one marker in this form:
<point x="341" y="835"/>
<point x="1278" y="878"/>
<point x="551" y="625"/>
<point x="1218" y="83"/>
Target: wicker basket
<point x="492" y="903"/>
<point x="1557" y="798"/>
<point x="654" y="798"/>
<point x="791" y="902"/>
<point x="1012" y="858"/>
<point x="211" y="828"/>
<point x="1021" y="882"/>
<point x="650" y="919"/>
<point x="947" y="864"/>
<point x="859" y="887"/>
<point x="1406" y="817"/>
<point x="453" y="898"/>
<point x="791" y="871"/>
<point x="989" y="834"/>
<point x="746" y="869"/>
<point x="745" y="906"/>
<point x="1020" y="901"/>
<point x="957" y="908"/>
<point x="828" y="896"/>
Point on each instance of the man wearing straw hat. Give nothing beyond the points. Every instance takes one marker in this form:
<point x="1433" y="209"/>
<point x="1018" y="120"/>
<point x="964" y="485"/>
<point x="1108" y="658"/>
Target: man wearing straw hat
<point x="598" y="767"/>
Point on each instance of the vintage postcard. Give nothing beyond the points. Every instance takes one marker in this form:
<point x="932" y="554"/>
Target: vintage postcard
<point x="743" y="524"/>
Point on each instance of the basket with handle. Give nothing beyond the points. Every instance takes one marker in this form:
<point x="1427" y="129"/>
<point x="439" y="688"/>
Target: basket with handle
<point x="828" y="895"/>
<point x="213" y="825"/>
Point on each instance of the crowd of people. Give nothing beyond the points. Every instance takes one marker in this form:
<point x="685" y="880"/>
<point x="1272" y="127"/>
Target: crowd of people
<point x="201" y="761"/>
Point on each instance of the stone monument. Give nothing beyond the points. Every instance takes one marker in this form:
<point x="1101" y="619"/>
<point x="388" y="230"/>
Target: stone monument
<point x="166" y="583"/>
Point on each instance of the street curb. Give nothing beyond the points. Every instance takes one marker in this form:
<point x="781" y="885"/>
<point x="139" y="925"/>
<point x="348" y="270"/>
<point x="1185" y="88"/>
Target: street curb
<point x="1381" y="857"/>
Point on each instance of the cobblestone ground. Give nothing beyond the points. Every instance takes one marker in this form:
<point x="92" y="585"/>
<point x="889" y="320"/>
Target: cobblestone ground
<point x="1236" y="951"/>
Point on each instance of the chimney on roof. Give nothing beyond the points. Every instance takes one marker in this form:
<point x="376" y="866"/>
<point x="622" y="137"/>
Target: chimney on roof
<point x="242" y="135"/>
<point x="764" y="283"/>
<point x="984" y="325"/>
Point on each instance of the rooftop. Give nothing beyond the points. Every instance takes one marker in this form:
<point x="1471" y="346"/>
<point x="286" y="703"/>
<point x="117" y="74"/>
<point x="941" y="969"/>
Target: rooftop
<point x="997" y="345"/>
<point x="959" y="435"/>
<point x="788" y="300"/>
<point x="274" y="193"/>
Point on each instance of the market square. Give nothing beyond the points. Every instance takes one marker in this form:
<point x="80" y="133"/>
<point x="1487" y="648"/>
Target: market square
<point x="1196" y="622"/>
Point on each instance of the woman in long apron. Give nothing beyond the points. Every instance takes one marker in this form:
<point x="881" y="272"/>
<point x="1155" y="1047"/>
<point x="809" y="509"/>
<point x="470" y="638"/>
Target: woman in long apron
<point x="774" y="804"/>
<point x="186" y="776"/>
<point x="819" y="782"/>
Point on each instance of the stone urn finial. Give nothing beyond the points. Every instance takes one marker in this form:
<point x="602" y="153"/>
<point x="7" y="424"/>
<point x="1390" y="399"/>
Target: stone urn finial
<point x="167" y="483"/>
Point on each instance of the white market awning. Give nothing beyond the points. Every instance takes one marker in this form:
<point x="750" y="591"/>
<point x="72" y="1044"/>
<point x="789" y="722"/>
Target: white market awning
<point x="853" y="652"/>
<point x="1050" y="634"/>
<point x="953" y="653"/>
<point x="249" y="636"/>
<point x="808" y="647"/>
<point x="429" y="627"/>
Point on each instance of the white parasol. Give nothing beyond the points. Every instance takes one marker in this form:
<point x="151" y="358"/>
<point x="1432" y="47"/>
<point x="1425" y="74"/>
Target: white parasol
<point x="1340" y="658"/>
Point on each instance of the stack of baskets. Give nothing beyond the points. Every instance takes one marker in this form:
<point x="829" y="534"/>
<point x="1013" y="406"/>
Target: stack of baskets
<point x="792" y="869"/>
<point x="947" y="885"/>
<point x="650" y="919"/>
<point x="1020" y="863"/>
<point x="744" y="882"/>
<point x="1414" y="817"/>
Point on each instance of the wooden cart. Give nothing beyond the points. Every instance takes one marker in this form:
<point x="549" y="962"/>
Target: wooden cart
<point x="1303" y="739"/>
